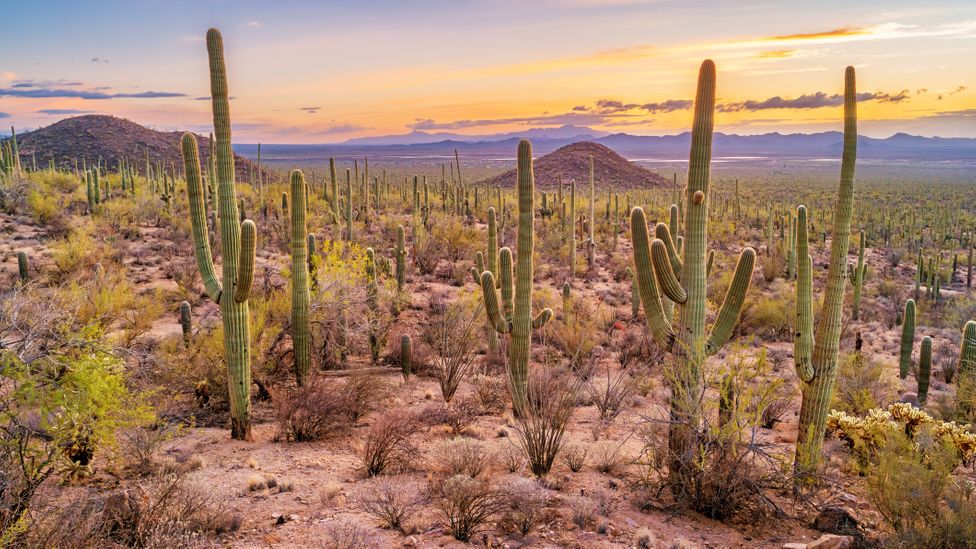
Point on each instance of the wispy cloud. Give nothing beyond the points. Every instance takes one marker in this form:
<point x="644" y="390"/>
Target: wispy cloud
<point x="98" y="60"/>
<point x="843" y="31"/>
<point x="311" y="110"/>
<point x="775" y="54"/>
<point x="254" y="24"/>
<point x="809" y="101"/>
<point x="61" y="112"/>
<point x="4" y="115"/>
<point x="43" y="93"/>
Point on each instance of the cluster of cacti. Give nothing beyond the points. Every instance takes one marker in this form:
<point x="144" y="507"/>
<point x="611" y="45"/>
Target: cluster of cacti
<point x="237" y="240"/>
<point x="10" y="155"/>
<point x="815" y="353"/>
<point x="515" y="316"/>
<point x="659" y="270"/>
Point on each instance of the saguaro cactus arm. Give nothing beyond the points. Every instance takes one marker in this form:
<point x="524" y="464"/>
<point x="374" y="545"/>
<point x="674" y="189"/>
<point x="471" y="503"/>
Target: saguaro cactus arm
<point x="198" y="218"/>
<point x="803" y="338"/>
<point x="245" y="263"/>
<point x="665" y="276"/>
<point x="500" y="323"/>
<point x="542" y="318"/>
<point x="657" y="324"/>
<point x="735" y="296"/>
<point x="662" y="233"/>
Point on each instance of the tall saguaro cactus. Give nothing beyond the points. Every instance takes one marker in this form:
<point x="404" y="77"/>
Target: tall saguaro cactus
<point x="857" y="279"/>
<point x="515" y="318"/>
<point x="815" y="352"/>
<point x="299" y="279"/>
<point x="907" y="339"/>
<point x="237" y="240"/>
<point x="658" y="270"/>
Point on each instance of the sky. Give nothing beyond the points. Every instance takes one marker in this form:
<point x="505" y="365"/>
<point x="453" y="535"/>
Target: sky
<point x="303" y="71"/>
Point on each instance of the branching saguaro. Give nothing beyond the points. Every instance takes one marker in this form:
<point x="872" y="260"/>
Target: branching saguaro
<point x="237" y="241"/>
<point x="815" y="353"/>
<point x="515" y="316"/>
<point x="682" y="280"/>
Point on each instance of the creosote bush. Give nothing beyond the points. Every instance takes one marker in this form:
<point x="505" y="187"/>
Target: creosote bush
<point x="388" y="446"/>
<point x="394" y="501"/>
<point x="468" y="505"/>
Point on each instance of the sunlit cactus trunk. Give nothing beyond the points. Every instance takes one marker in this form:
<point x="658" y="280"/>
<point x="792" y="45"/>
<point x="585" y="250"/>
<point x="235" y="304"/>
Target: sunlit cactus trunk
<point x="515" y="316"/>
<point x="924" y="369"/>
<point x="660" y="271"/>
<point x="237" y="240"/>
<point x="300" y="339"/>
<point x="907" y="339"/>
<point x="817" y="369"/>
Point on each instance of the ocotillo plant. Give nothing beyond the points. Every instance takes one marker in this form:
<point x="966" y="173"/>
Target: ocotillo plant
<point x="924" y="369"/>
<point x="684" y="282"/>
<point x="517" y="321"/>
<point x="857" y="279"/>
<point x="299" y="279"/>
<point x="237" y="245"/>
<point x="815" y="352"/>
<point x="186" y="321"/>
<point x="907" y="339"/>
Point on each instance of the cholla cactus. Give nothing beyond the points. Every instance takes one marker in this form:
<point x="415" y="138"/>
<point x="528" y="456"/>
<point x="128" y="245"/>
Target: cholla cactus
<point x="237" y="245"/>
<point x="515" y="318"/>
<point x="659" y="269"/>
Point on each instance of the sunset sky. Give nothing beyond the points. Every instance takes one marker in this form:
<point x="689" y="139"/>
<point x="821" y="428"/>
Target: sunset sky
<point x="316" y="72"/>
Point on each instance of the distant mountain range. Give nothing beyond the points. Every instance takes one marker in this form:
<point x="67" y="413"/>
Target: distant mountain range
<point x="828" y="145"/>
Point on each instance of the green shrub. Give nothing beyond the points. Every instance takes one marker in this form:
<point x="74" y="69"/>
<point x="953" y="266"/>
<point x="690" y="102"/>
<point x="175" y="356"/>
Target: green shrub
<point x="862" y="384"/>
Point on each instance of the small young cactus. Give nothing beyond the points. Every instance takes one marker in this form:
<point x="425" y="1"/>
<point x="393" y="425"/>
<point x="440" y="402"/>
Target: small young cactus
<point x="924" y="369"/>
<point x="406" y="356"/>
<point x="186" y="322"/>
<point x="907" y="339"/>
<point x="23" y="267"/>
<point x="299" y="278"/>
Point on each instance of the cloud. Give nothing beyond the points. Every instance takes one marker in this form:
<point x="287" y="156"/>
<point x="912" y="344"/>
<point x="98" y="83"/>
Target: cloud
<point x="833" y="33"/>
<point x="44" y="83"/>
<point x="775" y="54"/>
<point x="4" y="115"/>
<point x="670" y="105"/>
<point x="341" y="128"/>
<point x="62" y="111"/>
<point x="8" y="75"/>
<point x="254" y="24"/>
<point x="311" y="110"/>
<point x="83" y="94"/>
<point x="809" y="101"/>
<point x="98" y="60"/>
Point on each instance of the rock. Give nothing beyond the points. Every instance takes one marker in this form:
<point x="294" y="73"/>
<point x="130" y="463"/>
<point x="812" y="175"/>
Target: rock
<point x="831" y="541"/>
<point x="796" y="545"/>
<point x="410" y="542"/>
<point x="835" y="520"/>
<point x="910" y="398"/>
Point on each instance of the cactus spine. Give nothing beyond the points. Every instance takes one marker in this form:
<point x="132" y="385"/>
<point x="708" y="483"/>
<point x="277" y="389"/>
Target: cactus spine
<point x="516" y="319"/>
<point x="237" y="245"/>
<point x="907" y="339"/>
<point x="817" y="369"/>
<point x="683" y="280"/>
<point x="299" y="279"/>
<point x="924" y="369"/>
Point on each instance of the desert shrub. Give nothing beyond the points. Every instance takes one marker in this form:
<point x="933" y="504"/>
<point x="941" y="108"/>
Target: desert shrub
<point x="583" y="511"/>
<point x="491" y="392"/>
<point x="388" y="445"/>
<point x="462" y="456"/>
<point x="393" y="500"/>
<point x="540" y="424"/>
<point x="525" y="505"/>
<point x="578" y="333"/>
<point x="427" y="253"/>
<point x="773" y="264"/>
<point x="610" y="396"/>
<point x="337" y="316"/>
<point x="574" y="456"/>
<point x="460" y="414"/>
<point x="168" y="511"/>
<point x="345" y="534"/>
<point x="513" y="458"/>
<point x="312" y="412"/>
<point x="608" y="457"/>
<point x="917" y="495"/>
<point x="458" y="241"/>
<point x="862" y="383"/>
<point x="363" y="392"/>
<point x="468" y="505"/>
<point x="726" y="471"/>
<point x="75" y="252"/>
<point x="452" y="332"/>
<point x="769" y="317"/>
<point x="635" y="348"/>
<point x="120" y="216"/>
<point x="43" y="207"/>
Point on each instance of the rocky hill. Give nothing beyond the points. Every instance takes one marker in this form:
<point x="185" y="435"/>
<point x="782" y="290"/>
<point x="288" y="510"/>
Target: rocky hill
<point x="97" y="136"/>
<point x="573" y="162"/>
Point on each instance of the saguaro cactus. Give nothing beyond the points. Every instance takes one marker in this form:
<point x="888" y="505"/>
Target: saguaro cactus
<point x="23" y="267"/>
<point x="683" y="280"/>
<point x="299" y="279"/>
<point x="907" y="339"/>
<point x="857" y="279"/>
<point x="400" y="254"/>
<point x="516" y="318"/>
<point x="406" y="356"/>
<point x="237" y="245"/>
<point x="924" y="369"/>
<point x="572" y="228"/>
<point x="967" y="349"/>
<point x="186" y="321"/>
<point x="815" y="352"/>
